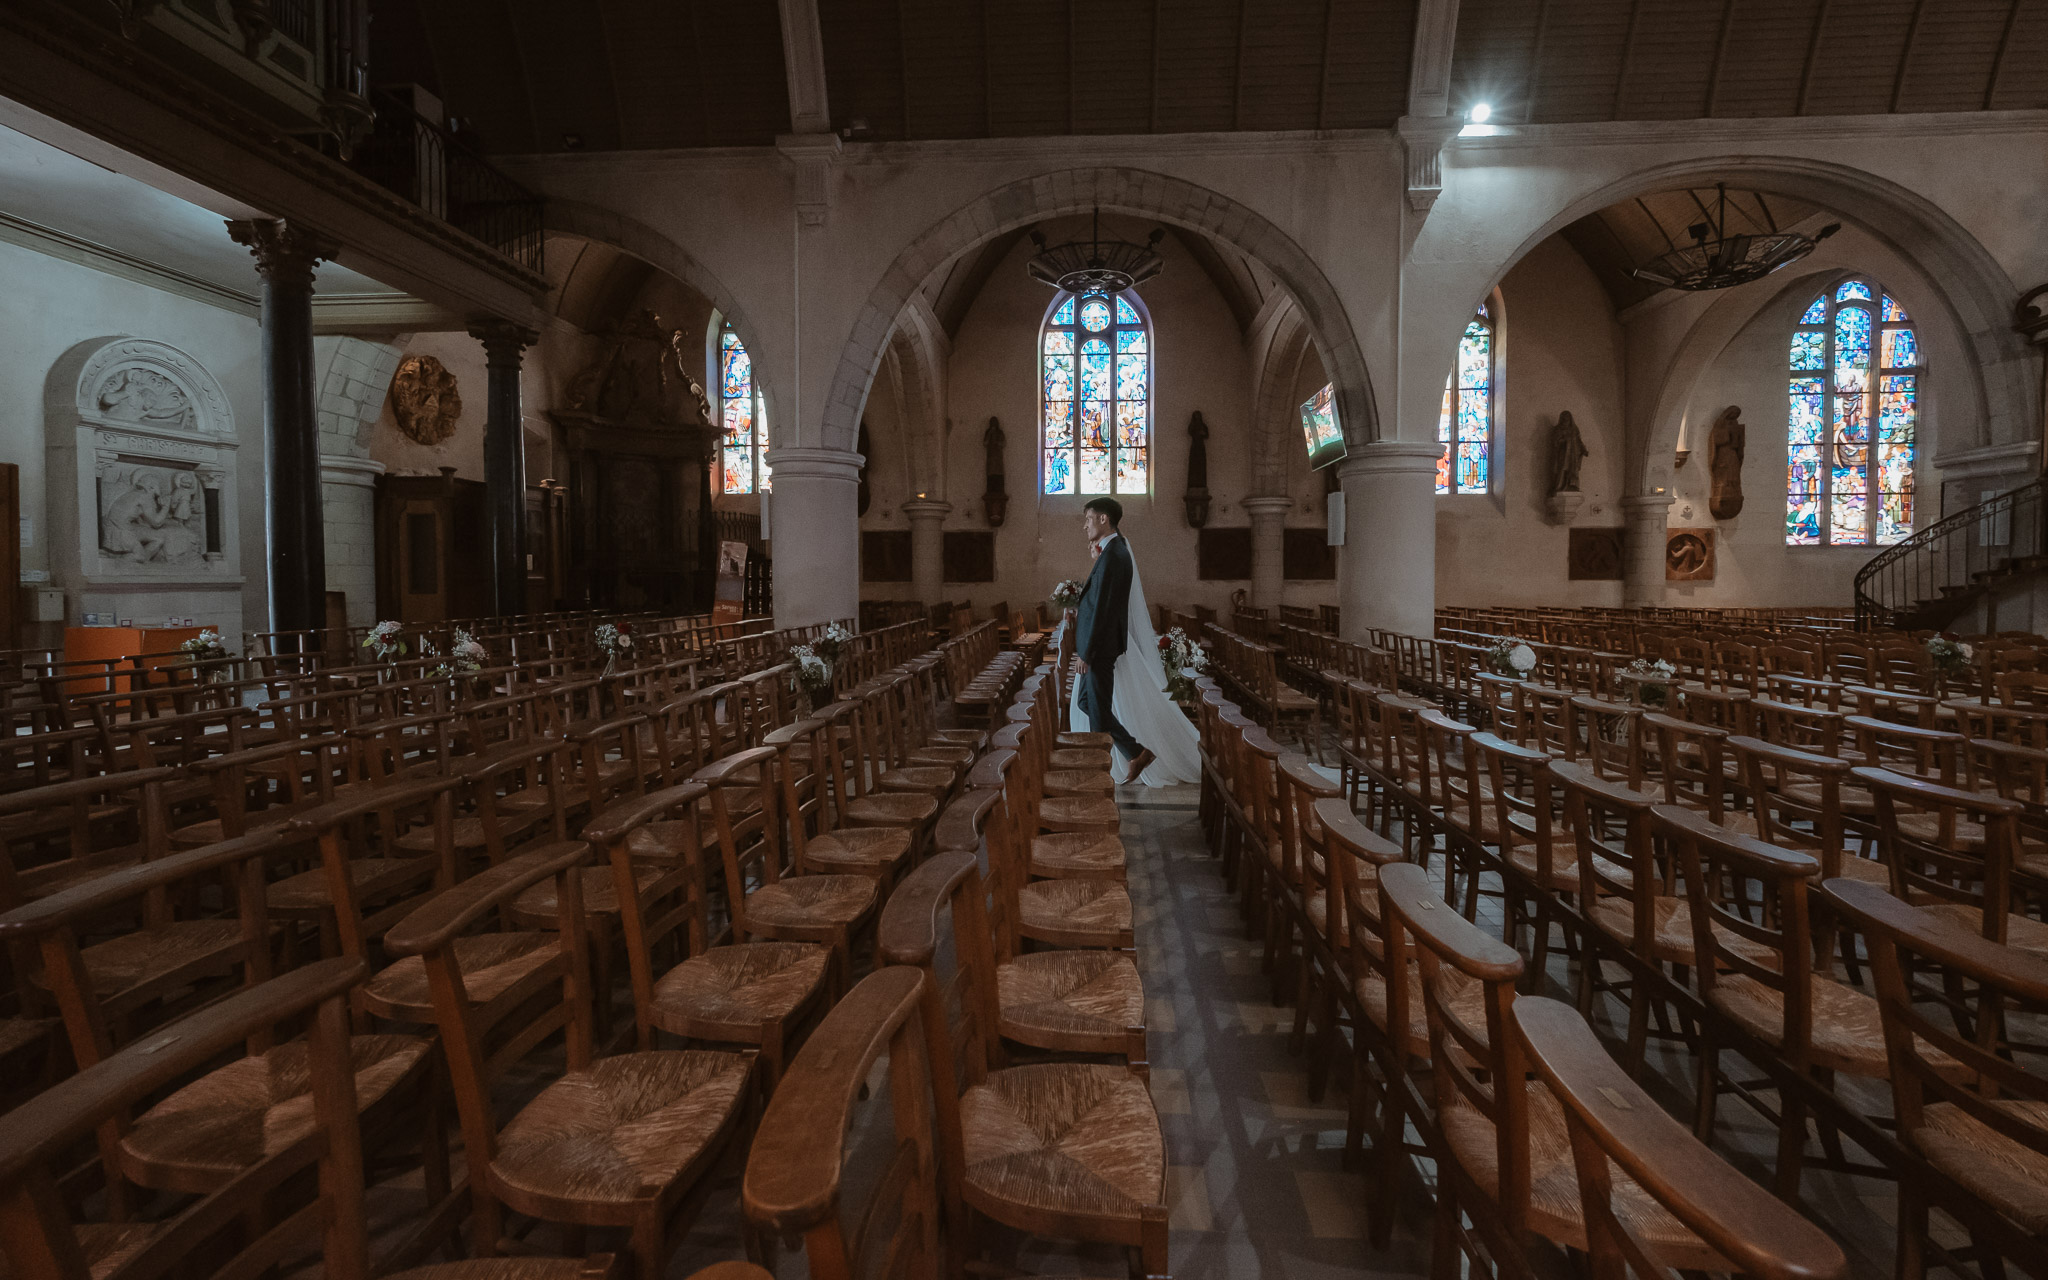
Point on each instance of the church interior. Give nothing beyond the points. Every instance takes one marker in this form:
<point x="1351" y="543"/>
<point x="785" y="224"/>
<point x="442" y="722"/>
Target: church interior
<point x="873" y="638"/>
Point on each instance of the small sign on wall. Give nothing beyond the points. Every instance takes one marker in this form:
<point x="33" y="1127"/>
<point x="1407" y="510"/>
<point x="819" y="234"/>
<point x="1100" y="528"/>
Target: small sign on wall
<point x="1334" y="506"/>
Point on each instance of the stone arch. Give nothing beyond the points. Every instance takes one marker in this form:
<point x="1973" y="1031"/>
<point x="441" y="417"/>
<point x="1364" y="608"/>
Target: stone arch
<point x="1278" y="346"/>
<point x="1121" y="190"/>
<point x="918" y="344"/>
<point x="599" y="225"/>
<point x="1946" y="261"/>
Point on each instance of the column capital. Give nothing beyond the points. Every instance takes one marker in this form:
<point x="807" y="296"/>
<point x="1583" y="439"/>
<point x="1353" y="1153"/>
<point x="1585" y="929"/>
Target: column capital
<point x="286" y="252"/>
<point x="504" y="342"/>
<point x="1268" y="505"/>
<point x="1646" y="506"/>
<point x="816" y="463"/>
<point x="1378" y="457"/>
<point x="922" y="509"/>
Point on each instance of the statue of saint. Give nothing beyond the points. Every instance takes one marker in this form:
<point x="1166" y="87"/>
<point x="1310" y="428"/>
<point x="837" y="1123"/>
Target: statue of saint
<point x="1724" y="463"/>
<point x="1567" y="451"/>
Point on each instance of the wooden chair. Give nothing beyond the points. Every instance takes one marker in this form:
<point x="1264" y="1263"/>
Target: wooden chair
<point x="621" y="1141"/>
<point x="1510" y="1150"/>
<point x="755" y="994"/>
<point x="1621" y="1139"/>
<point x="41" y="1237"/>
<point x="1753" y="936"/>
<point x="1963" y="1104"/>
<point x="1066" y="1150"/>
<point x="1953" y="852"/>
<point x="797" y="1180"/>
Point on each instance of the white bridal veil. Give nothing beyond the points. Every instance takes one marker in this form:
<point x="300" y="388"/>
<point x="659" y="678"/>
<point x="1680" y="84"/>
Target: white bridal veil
<point x="1140" y="701"/>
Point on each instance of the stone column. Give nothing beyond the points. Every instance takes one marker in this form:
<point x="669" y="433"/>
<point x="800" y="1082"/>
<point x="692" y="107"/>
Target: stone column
<point x="1386" y="569"/>
<point x="1269" y="542"/>
<point x="927" y="546"/>
<point x="1643" y="538"/>
<point x="505" y="346"/>
<point x="815" y="534"/>
<point x="285" y="257"/>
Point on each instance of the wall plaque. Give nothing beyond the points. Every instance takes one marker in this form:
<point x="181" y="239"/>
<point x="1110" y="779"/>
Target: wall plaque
<point x="885" y="555"/>
<point x="1307" y="556"/>
<point x="1595" y="555"/>
<point x="1689" y="555"/>
<point x="1223" y="555"/>
<point x="425" y="400"/>
<point x="970" y="556"/>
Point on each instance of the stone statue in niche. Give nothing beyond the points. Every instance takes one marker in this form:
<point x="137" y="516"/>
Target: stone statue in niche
<point x="1724" y="463"/>
<point x="152" y="515"/>
<point x="1197" y="495"/>
<point x="145" y="396"/>
<point x="995" y="503"/>
<point x="1567" y="451"/>
<point x="425" y="400"/>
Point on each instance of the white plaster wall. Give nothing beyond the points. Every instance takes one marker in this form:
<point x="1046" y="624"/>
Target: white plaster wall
<point x="51" y="306"/>
<point x="1560" y="348"/>
<point x="354" y="379"/>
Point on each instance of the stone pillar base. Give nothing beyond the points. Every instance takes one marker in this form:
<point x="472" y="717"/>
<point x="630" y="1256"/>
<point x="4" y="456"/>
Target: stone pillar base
<point x="1645" y="516"/>
<point x="815" y="535"/>
<point x="1386" y="570"/>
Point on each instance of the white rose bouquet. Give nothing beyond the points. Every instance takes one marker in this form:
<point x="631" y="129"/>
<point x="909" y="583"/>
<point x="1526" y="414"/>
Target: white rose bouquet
<point x="614" y="641"/>
<point x="207" y="648"/>
<point x="831" y="643"/>
<point x="811" y="674"/>
<point x="1512" y="658"/>
<point x="1652" y="681"/>
<point x="1067" y="593"/>
<point x="1949" y="654"/>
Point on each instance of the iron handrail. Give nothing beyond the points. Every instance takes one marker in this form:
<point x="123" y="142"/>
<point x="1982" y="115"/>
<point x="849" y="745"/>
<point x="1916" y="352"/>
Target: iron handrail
<point x="428" y="164"/>
<point x="1946" y="556"/>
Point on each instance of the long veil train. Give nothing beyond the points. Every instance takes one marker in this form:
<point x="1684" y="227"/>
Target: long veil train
<point x="1141" y="703"/>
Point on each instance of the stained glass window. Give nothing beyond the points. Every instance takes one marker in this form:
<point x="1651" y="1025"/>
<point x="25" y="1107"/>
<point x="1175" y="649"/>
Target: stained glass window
<point x="1096" y="363"/>
<point x="1854" y="386"/>
<point x="1466" y="428"/>
<point x="739" y="413"/>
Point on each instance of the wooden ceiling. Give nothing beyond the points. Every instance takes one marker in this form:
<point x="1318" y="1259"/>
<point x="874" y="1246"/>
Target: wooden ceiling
<point x="542" y="75"/>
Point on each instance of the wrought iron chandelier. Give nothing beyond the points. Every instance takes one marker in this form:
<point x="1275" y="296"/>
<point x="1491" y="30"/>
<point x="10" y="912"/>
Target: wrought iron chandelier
<point x="1718" y="260"/>
<point x="1095" y="265"/>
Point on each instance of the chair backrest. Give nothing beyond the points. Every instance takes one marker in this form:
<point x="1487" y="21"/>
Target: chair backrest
<point x="1611" y="825"/>
<point x="1925" y="1040"/>
<point x="657" y="902"/>
<point x="1689" y="762"/>
<point x="1354" y="922"/>
<point x="797" y="1181"/>
<point x="38" y="1232"/>
<point x="1476" y="1067"/>
<point x="1749" y="917"/>
<point x="1614" y="1124"/>
<point x="483" y="1042"/>
<point x="1921" y="830"/>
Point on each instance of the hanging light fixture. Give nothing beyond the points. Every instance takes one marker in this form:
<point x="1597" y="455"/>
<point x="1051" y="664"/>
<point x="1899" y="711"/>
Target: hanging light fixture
<point x="1717" y="260"/>
<point x="1095" y="265"/>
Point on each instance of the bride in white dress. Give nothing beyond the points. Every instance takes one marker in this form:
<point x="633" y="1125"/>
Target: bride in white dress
<point x="1140" y="702"/>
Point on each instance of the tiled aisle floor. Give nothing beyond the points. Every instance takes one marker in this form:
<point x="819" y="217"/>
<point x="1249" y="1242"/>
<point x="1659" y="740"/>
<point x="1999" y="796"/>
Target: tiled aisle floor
<point x="1255" y="1174"/>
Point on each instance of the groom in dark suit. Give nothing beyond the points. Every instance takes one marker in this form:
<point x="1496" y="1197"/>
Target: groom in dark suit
<point x="1102" y="629"/>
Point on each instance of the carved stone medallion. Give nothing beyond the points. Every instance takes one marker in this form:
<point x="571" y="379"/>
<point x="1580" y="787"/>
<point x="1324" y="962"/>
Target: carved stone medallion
<point x="425" y="400"/>
<point x="1689" y="556"/>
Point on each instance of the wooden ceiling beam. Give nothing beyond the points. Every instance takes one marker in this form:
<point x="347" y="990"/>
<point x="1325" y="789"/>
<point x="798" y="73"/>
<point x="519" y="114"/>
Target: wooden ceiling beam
<point x="1429" y="60"/>
<point x="803" y="61"/>
<point x="1906" y="54"/>
<point x="1152" y="118"/>
<point x="1720" y="55"/>
<point x="2012" y="21"/>
<point x="903" y="68"/>
<point x="1535" y="71"/>
<point x="1244" y="13"/>
<point x="1628" y="57"/>
<point x="1323" y="83"/>
<point x="1820" y="22"/>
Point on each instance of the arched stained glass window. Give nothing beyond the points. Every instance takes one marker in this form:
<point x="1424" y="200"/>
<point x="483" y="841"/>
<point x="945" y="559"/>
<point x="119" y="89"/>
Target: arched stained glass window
<point x="1096" y="372"/>
<point x="1466" y="428"/>
<point x="739" y="413"/>
<point x="1855" y="391"/>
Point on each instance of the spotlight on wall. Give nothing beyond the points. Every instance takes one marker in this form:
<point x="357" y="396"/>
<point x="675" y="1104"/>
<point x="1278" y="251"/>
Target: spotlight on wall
<point x="1480" y="113"/>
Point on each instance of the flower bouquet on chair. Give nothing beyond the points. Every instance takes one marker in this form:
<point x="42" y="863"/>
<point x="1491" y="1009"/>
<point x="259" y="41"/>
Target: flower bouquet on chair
<point x="811" y="677"/>
<point x="209" y="656"/>
<point x="384" y="641"/>
<point x="1951" y="659"/>
<point x="614" y="641"/>
<point x="1651" y="682"/>
<point x="1185" y="662"/>
<point x="1511" y="658"/>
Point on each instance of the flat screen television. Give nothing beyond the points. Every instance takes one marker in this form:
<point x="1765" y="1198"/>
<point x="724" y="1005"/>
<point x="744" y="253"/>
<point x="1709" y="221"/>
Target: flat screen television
<point x="1320" y="429"/>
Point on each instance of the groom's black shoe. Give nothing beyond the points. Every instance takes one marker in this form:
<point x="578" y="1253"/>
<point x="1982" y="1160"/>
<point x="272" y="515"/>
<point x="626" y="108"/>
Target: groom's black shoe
<point x="1139" y="766"/>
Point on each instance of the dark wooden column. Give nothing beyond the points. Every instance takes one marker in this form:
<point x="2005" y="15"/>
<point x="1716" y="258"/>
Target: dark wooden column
<point x="505" y="345"/>
<point x="285" y="257"/>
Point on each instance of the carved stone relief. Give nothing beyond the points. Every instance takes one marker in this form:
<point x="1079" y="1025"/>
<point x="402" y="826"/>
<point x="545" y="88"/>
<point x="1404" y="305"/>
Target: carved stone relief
<point x="1689" y="555"/>
<point x="142" y="471"/>
<point x="425" y="399"/>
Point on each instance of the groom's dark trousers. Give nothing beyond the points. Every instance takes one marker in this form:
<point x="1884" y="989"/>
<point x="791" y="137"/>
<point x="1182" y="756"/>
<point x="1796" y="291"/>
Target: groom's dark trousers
<point x="1101" y="633"/>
